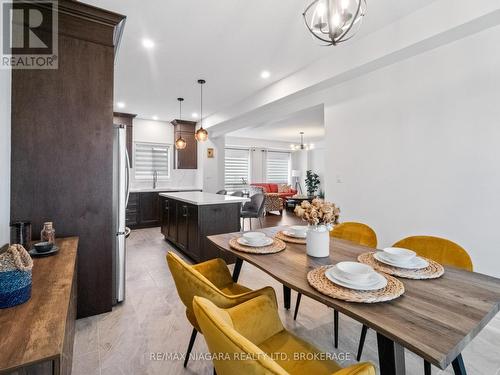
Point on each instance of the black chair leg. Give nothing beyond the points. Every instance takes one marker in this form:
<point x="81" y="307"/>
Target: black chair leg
<point x="427" y="368"/>
<point x="190" y="346"/>
<point x="336" y="328"/>
<point x="458" y="365"/>
<point x="361" y="342"/>
<point x="297" y="304"/>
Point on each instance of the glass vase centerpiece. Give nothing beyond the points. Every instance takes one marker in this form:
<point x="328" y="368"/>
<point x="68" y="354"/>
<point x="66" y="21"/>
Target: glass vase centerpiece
<point x="321" y="216"/>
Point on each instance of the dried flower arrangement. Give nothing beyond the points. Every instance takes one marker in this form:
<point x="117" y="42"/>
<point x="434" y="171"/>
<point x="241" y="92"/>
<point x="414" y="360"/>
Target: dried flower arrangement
<point x="318" y="212"/>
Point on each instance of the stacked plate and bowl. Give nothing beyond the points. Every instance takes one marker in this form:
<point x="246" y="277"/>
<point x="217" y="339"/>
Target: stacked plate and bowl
<point x="401" y="258"/>
<point x="357" y="276"/>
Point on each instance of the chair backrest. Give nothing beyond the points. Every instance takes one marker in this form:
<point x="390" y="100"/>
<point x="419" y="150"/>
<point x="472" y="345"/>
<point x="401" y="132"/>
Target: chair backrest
<point x="256" y="204"/>
<point x="189" y="282"/>
<point x="222" y="192"/>
<point x="224" y="339"/>
<point x="359" y="233"/>
<point x="237" y="193"/>
<point x="438" y="249"/>
<point x="252" y="190"/>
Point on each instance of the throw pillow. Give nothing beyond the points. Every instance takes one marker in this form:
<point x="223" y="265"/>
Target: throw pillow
<point x="284" y="188"/>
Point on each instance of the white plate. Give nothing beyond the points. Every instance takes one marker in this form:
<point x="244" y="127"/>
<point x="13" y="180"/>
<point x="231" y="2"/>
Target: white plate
<point x="266" y="242"/>
<point x="416" y="263"/>
<point x="372" y="279"/>
<point x="381" y="282"/>
<point x="291" y="234"/>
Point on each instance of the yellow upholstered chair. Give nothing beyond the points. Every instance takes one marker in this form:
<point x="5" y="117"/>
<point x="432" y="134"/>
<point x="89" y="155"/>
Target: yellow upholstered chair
<point x="211" y="280"/>
<point x="438" y="249"/>
<point x="358" y="233"/>
<point x="250" y="339"/>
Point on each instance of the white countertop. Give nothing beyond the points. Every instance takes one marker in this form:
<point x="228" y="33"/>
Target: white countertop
<point x="201" y="199"/>
<point x="161" y="190"/>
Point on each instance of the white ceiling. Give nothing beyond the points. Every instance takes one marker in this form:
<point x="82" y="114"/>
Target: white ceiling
<point x="226" y="42"/>
<point x="310" y="121"/>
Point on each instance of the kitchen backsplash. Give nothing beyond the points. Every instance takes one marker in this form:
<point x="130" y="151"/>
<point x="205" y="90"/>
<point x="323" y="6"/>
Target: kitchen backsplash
<point x="178" y="178"/>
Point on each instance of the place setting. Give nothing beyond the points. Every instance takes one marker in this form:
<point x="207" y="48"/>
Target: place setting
<point x="293" y="234"/>
<point x="355" y="282"/>
<point x="402" y="262"/>
<point x="257" y="243"/>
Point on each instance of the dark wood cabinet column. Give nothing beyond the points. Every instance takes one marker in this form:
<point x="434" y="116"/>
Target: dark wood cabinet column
<point x="62" y="146"/>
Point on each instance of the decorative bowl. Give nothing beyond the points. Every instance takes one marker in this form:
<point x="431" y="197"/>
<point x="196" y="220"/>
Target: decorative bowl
<point x="398" y="254"/>
<point x="354" y="271"/>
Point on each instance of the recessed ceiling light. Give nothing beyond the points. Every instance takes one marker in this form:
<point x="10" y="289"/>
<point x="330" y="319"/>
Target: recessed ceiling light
<point x="194" y="115"/>
<point x="120" y="105"/>
<point x="148" y="43"/>
<point x="265" y="74"/>
<point x="155" y="117"/>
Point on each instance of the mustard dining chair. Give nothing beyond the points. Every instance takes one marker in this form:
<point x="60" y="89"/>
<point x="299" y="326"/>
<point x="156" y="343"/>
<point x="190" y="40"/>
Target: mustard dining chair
<point x="441" y="250"/>
<point x="212" y="280"/>
<point x="358" y="233"/>
<point x="250" y="339"/>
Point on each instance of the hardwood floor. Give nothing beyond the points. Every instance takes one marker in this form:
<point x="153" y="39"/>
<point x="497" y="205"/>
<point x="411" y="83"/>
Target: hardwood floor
<point x="152" y="320"/>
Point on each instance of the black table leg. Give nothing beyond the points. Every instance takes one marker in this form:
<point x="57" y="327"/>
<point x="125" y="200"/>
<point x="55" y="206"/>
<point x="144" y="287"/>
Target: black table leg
<point x="237" y="269"/>
<point x="336" y="328"/>
<point x="391" y="356"/>
<point x="287" y="296"/>
<point x="458" y="365"/>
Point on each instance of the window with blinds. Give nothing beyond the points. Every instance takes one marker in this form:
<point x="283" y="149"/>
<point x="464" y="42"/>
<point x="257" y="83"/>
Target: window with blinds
<point x="150" y="158"/>
<point x="236" y="168"/>
<point x="277" y="167"/>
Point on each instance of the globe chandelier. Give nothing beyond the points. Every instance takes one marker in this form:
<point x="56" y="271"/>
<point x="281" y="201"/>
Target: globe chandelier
<point x="334" y="21"/>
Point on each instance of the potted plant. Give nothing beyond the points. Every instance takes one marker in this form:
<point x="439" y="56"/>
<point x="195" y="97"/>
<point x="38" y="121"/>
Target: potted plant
<point x="321" y="217"/>
<point x="312" y="183"/>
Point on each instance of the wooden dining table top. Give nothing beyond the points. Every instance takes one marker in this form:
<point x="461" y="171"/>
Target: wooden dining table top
<point x="435" y="319"/>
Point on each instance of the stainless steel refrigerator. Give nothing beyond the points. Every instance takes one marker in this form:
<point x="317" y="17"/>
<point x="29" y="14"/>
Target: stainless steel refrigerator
<point x="121" y="188"/>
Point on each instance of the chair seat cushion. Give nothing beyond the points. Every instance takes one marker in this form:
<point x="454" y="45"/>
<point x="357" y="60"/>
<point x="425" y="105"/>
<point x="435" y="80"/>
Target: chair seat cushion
<point x="246" y="213"/>
<point x="294" y="348"/>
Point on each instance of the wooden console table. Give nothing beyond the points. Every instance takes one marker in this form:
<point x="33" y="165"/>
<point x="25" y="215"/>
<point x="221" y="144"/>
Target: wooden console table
<point x="37" y="336"/>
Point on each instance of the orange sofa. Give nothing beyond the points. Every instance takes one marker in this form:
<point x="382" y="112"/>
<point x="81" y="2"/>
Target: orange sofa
<point x="273" y="188"/>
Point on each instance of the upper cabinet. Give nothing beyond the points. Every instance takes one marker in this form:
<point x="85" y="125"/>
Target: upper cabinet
<point x="126" y="119"/>
<point x="186" y="158"/>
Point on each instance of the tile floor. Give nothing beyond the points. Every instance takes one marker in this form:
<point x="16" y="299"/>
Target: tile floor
<point x="152" y="320"/>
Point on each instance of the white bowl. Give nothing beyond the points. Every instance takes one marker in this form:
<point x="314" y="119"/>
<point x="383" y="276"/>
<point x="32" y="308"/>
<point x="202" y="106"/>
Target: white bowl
<point x="354" y="271"/>
<point x="398" y="254"/>
<point x="254" y="237"/>
<point x="299" y="230"/>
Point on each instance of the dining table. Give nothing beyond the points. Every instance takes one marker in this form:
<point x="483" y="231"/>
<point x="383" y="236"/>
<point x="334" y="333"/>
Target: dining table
<point x="434" y="318"/>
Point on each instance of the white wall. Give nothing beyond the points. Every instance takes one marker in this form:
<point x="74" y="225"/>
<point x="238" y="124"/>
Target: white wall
<point x="213" y="168"/>
<point x="414" y="148"/>
<point x="163" y="132"/>
<point x="5" y="96"/>
<point x="316" y="161"/>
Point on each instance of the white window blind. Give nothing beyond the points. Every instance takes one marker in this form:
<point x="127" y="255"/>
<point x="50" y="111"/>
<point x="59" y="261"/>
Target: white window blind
<point x="236" y="168"/>
<point x="151" y="157"/>
<point x="277" y="167"/>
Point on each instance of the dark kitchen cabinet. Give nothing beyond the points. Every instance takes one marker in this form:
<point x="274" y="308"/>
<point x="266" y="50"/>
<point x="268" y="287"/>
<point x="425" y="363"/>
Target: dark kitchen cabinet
<point x="146" y="210"/>
<point x="186" y="158"/>
<point x="149" y="213"/>
<point x="62" y="137"/>
<point x="187" y="226"/>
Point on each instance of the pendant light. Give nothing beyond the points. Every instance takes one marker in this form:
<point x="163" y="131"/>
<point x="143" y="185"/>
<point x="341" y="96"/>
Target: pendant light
<point x="201" y="134"/>
<point x="302" y="146"/>
<point x="180" y="142"/>
<point x="334" y="21"/>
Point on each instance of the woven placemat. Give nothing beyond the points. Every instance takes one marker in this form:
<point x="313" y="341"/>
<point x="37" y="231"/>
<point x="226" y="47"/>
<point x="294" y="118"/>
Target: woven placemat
<point x="275" y="247"/>
<point x="284" y="237"/>
<point x="432" y="271"/>
<point x="320" y="282"/>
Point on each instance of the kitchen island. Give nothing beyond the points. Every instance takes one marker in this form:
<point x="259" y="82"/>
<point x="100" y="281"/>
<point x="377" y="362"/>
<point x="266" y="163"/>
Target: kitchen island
<point x="187" y="218"/>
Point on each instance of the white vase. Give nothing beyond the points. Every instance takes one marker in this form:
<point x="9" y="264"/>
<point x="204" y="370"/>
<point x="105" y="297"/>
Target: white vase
<point x="318" y="241"/>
